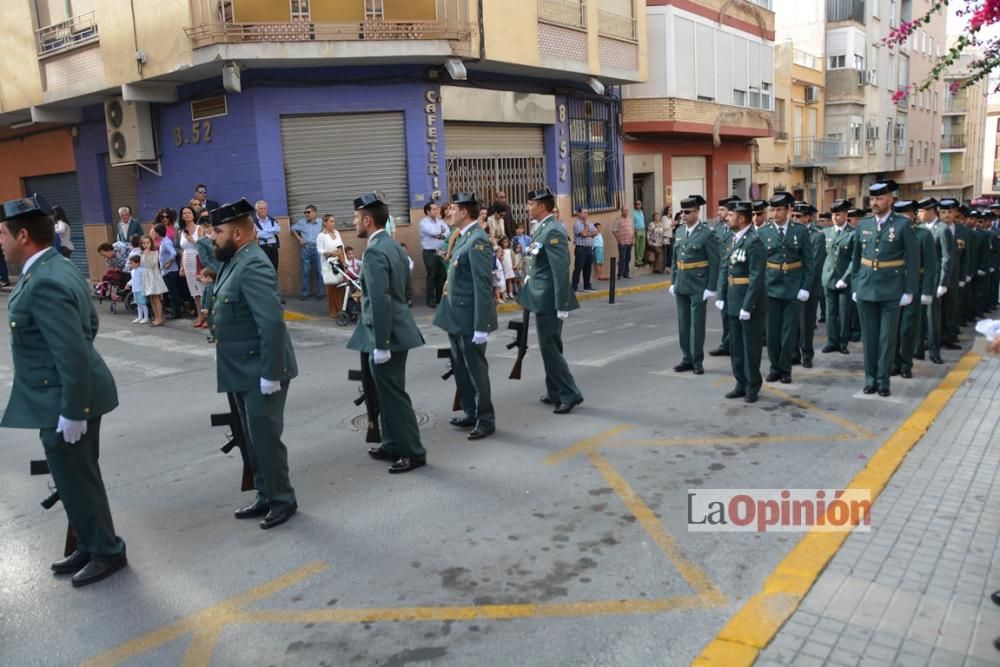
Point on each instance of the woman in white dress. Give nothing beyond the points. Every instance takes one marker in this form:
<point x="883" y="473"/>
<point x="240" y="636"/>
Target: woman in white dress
<point x="63" y="230"/>
<point x="190" y="233"/>
<point x="152" y="279"/>
<point x="329" y="244"/>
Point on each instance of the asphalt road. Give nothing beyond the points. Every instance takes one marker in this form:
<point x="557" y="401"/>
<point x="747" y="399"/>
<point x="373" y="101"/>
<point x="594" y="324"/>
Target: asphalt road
<point x="507" y="551"/>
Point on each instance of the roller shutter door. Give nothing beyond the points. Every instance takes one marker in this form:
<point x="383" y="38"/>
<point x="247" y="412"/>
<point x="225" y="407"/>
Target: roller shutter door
<point x="687" y="178"/>
<point x="62" y="190"/>
<point x="121" y="185"/>
<point x="331" y="159"/>
<point x="482" y="139"/>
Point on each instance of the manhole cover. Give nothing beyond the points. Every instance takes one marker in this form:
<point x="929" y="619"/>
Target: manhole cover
<point x="360" y="423"/>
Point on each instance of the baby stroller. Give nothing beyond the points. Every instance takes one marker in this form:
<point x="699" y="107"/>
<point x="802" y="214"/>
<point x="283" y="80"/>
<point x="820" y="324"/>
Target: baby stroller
<point x="352" y="294"/>
<point x="113" y="287"/>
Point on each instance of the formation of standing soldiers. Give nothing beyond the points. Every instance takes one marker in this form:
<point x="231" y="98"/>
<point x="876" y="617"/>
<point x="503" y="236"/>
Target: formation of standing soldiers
<point x="910" y="273"/>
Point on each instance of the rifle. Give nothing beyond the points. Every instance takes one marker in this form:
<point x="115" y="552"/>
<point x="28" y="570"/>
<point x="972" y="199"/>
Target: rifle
<point x="520" y="342"/>
<point x="368" y="396"/>
<point x="42" y="468"/>
<point x="237" y="438"/>
<point x="445" y="353"/>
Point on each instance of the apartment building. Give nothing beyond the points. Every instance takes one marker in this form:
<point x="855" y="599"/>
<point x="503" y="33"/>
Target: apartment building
<point x="710" y="92"/>
<point x="991" y="152"/>
<point x="313" y="102"/>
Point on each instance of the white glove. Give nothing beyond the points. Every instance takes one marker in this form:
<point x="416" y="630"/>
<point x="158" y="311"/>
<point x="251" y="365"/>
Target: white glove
<point x="980" y="272"/>
<point x="968" y="278"/>
<point x="906" y="300"/>
<point x="854" y="297"/>
<point x="961" y="283"/>
<point x="941" y="291"/>
<point x="992" y="269"/>
<point x="841" y="285"/>
<point x="381" y="356"/>
<point x="720" y="304"/>
<point x="926" y="299"/>
<point x="479" y="337"/>
<point x="744" y="315"/>
<point x="268" y="387"/>
<point x="671" y="290"/>
<point x="71" y="429"/>
<point x="562" y="314"/>
<point x="707" y="294"/>
<point x="803" y="295"/>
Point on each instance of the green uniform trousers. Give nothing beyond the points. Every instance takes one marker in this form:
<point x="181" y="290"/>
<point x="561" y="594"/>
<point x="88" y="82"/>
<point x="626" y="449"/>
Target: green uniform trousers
<point x="807" y="326"/>
<point x="838" y="317"/>
<point x="782" y="333"/>
<point x="472" y="379"/>
<point x="929" y="335"/>
<point x="724" y="343"/>
<point x="691" y="327"/>
<point x="640" y="247"/>
<point x="263" y="420"/>
<point x="559" y="383"/>
<point x="909" y="331"/>
<point x="745" y="352"/>
<point x="879" y="324"/>
<point x="77" y="476"/>
<point x="951" y="312"/>
<point x="400" y="436"/>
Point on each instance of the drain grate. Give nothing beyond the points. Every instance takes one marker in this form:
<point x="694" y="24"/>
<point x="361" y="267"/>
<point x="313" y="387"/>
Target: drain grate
<point x="360" y="423"/>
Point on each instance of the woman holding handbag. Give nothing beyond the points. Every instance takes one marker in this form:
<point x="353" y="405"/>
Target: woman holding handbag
<point x="190" y="233"/>
<point x="329" y="244"/>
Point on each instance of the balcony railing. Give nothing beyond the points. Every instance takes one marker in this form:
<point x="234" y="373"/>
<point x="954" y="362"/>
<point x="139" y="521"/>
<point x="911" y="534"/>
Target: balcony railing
<point x="218" y="22"/>
<point x="571" y="13"/>
<point x="811" y="152"/>
<point x="806" y="60"/>
<point x="953" y="178"/>
<point x="845" y="10"/>
<point x="68" y="34"/>
<point x="780" y="135"/>
<point x="953" y="141"/>
<point x="616" y="25"/>
<point x="956" y="104"/>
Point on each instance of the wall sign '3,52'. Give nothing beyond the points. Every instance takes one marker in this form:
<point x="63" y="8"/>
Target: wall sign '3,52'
<point x="200" y="131"/>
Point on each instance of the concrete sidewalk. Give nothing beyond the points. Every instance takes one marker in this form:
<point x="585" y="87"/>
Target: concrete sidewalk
<point x="915" y="590"/>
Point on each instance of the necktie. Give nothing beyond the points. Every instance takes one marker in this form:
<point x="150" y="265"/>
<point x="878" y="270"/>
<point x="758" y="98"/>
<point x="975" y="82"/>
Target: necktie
<point x="781" y="234"/>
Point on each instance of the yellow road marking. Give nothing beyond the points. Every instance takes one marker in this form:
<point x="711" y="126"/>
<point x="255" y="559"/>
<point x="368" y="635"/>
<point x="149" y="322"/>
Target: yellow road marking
<point x="826" y="414"/>
<point x="586" y="445"/>
<point x="758" y="621"/>
<point x="599" y="294"/>
<point x="293" y="316"/>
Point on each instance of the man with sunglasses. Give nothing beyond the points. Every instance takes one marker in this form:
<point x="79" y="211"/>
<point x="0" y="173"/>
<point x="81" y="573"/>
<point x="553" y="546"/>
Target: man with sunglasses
<point x="201" y="194"/>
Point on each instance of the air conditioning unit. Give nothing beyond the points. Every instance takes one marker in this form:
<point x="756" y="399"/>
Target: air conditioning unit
<point x="812" y="94"/>
<point x="130" y="131"/>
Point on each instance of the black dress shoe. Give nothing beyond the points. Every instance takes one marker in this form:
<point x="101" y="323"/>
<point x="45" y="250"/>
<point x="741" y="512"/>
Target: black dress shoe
<point x="995" y="596"/>
<point x="869" y="389"/>
<point x="462" y="422"/>
<point x="883" y="391"/>
<point x="856" y="338"/>
<point x="719" y="352"/>
<point x="936" y="359"/>
<point x="279" y="516"/>
<point x="796" y="361"/>
<point x="683" y="367"/>
<point x="736" y="393"/>
<point x="828" y="348"/>
<point x="821" y="320"/>
<point x="951" y="345"/>
<point x="97" y="569"/>
<point x="544" y="399"/>
<point x="380" y="454"/>
<point x="252" y="511"/>
<point x="481" y="432"/>
<point x="72" y="563"/>
<point x="407" y="464"/>
<point x="906" y="373"/>
<point x="895" y="371"/>
<point x="565" y="408"/>
<point x="807" y="363"/>
<point x="845" y="350"/>
<point x="750" y="398"/>
<point x="698" y="369"/>
<point x="773" y="376"/>
<point x="919" y="355"/>
<point x="786" y="378"/>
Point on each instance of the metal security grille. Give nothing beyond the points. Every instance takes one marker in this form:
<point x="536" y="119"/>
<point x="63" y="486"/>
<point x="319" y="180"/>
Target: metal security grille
<point x="593" y="159"/>
<point x="516" y="176"/>
<point x="62" y="190"/>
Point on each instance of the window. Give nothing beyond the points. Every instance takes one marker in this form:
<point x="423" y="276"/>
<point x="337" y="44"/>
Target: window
<point x="900" y="137"/>
<point x="888" y="136"/>
<point x="933" y="151"/>
<point x="754" y="97"/>
<point x="64" y="25"/>
<point x="859" y="63"/>
<point x="892" y="13"/>
<point x="855" y="124"/>
<point x="925" y="151"/>
<point x="838" y="62"/>
<point x="739" y="98"/>
<point x="779" y="116"/>
<point x="911" y="152"/>
<point x="765" y="96"/>
<point x="875" y="4"/>
<point x="592" y="154"/>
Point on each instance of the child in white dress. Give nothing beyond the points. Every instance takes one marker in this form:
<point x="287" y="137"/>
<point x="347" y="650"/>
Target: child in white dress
<point x="508" y="267"/>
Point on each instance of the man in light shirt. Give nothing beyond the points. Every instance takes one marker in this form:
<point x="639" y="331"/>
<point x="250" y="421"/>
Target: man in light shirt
<point x="433" y="231"/>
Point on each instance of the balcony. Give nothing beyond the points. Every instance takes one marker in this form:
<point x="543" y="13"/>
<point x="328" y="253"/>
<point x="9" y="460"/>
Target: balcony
<point x="243" y="21"/>
<point x="616" y="25"/>
<point x="673" y="115"/>
<point x="571" y="13"/>
<point x="812" y="152"/>
<point x="954" y="141"/>
<point x="66" y="35"/>
<point x="953" y="178"/>
<point x="845" y="10"/>
<point x="807" y="60"/>
<point x="956" y="104"/>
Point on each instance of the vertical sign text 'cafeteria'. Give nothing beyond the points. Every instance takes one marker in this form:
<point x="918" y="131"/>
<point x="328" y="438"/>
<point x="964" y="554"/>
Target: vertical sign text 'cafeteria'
<point x="430" y="110"/>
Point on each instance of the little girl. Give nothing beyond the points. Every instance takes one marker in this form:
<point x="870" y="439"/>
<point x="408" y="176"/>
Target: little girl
<point x="508" y="266"/>
<point x="599" y="252"/>
<point x="207" y="279"/>
<point x="518" y="263"/>
<point x="499" y="278"/>
<point x="141" y="304"/>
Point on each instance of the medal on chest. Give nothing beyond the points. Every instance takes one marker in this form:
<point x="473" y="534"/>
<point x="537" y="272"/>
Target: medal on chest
<point x="892" y="234"/>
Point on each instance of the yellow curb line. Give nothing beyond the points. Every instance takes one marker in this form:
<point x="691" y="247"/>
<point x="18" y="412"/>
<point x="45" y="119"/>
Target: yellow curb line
<point x="293" y="316"/>
<point x="590" y="296"/>
<point x="754" y="626"/>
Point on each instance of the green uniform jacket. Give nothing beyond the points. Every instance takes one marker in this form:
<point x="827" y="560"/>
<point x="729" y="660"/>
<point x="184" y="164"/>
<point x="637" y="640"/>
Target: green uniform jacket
<point x="797" y="247"/>
<point x="818" y="239"/>
<point x="962" y="245"/>
<point x="928" y="261"/>
<point x="972" y="250"/>
<point x="896" y="243"/>
<point x="386" y="321"/>
<point x="839" y="251"/>
<point x="699" y="245"/>
<point x="745" y="259"/>
<point x="57" y="371"/>
<point x="546" y="287"/>
<point x="944" y="247"/>
<point x="985" y="250"/>
<point x="468" y="304"/>
<point x="722" y="232"/>
<point x="252" y="341"/>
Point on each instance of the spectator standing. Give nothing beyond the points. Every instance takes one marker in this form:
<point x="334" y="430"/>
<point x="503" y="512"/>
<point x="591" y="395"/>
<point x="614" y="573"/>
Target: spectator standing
<point x="168" y="267"/>
<point x="433" y="231"/>
<point x="190" y="233"/>
<point x="654" y="237"/>
<point x="201" y="194"/>
<point x="668" y="237"/>
<point x="268" y="230"/>
<point x="508" y="267"/>
<point x="152" y="280"/>
<point x="306" y="230"/>
<point x="499" y="279"/>
<point x="330" y="245"/>
<point x="501" y="206"/>
<point x="624" y="232"/>
<point x="599" y="252"/>
<point x="495" y="226"/>
<point x="4" y="276"/>
<point x="62" y="231"/>
<point x="639" y="225"/>
<point x="141" y="303"/>
<point x="520" y="238"/>
<point x="127" y="225"/>
<point x="583" y="250"/>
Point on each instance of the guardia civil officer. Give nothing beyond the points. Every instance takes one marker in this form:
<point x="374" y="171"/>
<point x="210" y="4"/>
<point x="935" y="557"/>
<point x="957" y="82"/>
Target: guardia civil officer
<point x="255" y="361"/>
<point x="468" y="313"/>
<point x="789" y="279"/>
<point x="547" y="294"/>
<point x="910" y="316"/>
<point x="944" y="250"/>
<point x="386" y="332"/>
<point x="759" y="207"/>
<point x="836" y="279"/>
<point x="695" y="274"/>
<point x="886" y="271"/>
<point x="723" y="234"/>
<point x="804" y="213"/>
<point x="742" y="299"/>
<point x="61" y="384"/>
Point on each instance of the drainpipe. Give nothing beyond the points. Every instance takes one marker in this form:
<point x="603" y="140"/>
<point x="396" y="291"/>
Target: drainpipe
<point x="482" y="31"/>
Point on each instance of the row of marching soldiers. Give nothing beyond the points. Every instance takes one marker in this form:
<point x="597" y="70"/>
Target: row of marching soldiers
<point x="912" y="272"/>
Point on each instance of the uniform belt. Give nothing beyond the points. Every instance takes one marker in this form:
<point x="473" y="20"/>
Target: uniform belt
<point x="739" y="281"/>
<point x="876" y="263"/>
<point x="692" y="265"/>
<point x="784" y="266"/>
